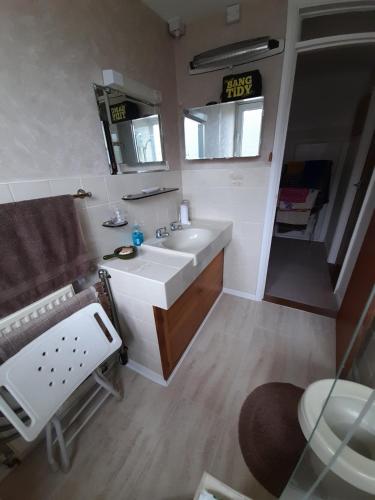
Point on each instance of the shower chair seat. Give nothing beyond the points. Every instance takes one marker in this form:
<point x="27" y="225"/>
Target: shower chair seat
<point x="45" y="373"/>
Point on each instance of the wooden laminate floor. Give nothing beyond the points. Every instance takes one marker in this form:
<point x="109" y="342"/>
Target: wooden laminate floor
<point x="156" y="443"/>
<point x="298" y="272"/>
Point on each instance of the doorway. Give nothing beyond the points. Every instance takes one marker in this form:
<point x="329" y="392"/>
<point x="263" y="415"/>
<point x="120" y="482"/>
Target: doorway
<point x="315" y="26"/>
<point x="331" y="111"/>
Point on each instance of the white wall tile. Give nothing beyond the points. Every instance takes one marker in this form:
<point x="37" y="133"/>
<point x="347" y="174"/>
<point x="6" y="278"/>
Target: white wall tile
<point x="142" y="329"/>
<point x="30" y="190"/>
<point x="248" y="230"/>
<point x="118" y="185"/>
<point x="140" y="348"/>
<point x="143" y="357"/>
<point x="98" y="189"/>
<point x="237" y="176"/>
<point x="5" y="194"/>
<point x="102" y="240"/>
<point x="134" y="308"/>
<point x="236" y="193"/>
<point x="68" y="185"/>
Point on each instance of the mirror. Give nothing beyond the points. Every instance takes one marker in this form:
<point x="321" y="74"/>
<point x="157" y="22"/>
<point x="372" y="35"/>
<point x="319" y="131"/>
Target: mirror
<point x="132" y="132"/>
<point x="225" y="130"/>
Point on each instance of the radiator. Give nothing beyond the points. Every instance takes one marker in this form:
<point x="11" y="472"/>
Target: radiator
<point x="35" y="310"/>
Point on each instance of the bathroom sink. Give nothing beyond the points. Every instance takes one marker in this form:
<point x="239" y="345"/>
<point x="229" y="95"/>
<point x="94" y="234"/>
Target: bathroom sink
<point x="188" y="240"/>
<point x="356" y="462"/>
<point x="196" y="241"/>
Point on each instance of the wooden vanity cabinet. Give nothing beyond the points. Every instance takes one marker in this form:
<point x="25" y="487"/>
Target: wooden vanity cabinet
<point x="177" y="325"/>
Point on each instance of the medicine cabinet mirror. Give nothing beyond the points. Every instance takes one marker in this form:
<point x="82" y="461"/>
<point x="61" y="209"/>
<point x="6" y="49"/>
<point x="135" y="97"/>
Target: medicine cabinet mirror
<point x="132" y="132"/>
<point x="225" y="130"/>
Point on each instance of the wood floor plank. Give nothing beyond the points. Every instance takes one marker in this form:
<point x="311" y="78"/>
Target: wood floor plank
<point x="157" y="442"/>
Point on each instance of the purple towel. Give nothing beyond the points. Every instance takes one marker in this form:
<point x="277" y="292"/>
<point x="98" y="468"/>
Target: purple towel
<point x="41" y="249"/>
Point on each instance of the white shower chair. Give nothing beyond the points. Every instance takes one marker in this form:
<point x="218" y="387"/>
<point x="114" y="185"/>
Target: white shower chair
<point x="42" y="375"/>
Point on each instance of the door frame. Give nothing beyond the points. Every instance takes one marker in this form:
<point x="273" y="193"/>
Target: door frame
<point x="355" y="177"/>
<point x="355" y="244"/>
<point x="298" y="10"/>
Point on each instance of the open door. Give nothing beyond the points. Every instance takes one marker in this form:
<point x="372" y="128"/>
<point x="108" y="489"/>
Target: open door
<point x="356" y="188"/>
<point x="355" y="299"/>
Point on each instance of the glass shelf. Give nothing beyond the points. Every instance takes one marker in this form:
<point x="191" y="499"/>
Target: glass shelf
<point x="140" y="196"/>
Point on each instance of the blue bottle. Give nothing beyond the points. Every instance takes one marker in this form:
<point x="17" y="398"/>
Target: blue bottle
<point x="137" y="235"/>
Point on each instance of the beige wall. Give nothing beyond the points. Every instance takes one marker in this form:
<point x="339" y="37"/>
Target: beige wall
<point x="50" y="54"/>
<point x="232" y="189"/>
<point x="50" y="135"/>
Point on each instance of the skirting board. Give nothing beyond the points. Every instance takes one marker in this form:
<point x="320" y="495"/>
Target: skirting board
<point x="156" y="377"/>
<point x="146" y="372"/>
<point x="243" y="295"/>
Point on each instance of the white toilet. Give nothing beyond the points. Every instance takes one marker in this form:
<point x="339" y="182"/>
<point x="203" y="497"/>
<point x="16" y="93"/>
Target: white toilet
<point x="356" y="462"/>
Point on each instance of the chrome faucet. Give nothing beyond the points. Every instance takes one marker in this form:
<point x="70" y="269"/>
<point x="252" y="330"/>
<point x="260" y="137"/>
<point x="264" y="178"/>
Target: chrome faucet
<point x="176" y="226"/>
<point x="161" y="232"/>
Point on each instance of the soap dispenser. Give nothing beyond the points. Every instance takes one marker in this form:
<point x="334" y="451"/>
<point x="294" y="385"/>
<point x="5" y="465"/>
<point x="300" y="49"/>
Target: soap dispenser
<point x="137" y="235"/>
<point x="184" y="213"/>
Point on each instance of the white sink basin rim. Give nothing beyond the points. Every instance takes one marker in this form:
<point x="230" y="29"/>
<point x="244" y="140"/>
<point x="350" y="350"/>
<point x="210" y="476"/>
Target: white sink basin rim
<point x="188" y="240"/>
<point x="195" y="241"/>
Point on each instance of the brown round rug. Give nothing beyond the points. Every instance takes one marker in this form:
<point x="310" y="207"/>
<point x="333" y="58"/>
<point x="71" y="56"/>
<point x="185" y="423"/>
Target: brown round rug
<point x="270" y="436"/>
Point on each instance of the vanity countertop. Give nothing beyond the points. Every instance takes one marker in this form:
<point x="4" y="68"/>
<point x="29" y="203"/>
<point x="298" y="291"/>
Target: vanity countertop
<point x="158" y="276"/>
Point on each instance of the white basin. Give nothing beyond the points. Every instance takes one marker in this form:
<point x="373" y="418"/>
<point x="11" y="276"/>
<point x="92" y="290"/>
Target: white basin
<point x="356" y="462"/>
<point x="189" y="240"/>
<point x="197" y="241"/>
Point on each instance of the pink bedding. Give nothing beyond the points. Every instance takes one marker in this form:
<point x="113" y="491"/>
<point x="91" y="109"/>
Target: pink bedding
<point x="293" y="195"/>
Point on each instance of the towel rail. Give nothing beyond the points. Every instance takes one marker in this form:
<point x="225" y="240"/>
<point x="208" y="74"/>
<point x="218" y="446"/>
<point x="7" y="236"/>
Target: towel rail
<point x="81" y="193"/>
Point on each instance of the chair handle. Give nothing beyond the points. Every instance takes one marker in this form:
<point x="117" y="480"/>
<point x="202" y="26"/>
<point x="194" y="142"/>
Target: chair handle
<point x="12" y="416"/>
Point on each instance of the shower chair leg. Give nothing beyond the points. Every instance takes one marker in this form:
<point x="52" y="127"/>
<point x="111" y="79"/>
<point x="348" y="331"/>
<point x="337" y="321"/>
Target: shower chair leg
<point x="105" y="384"/>
<point x="49" y="444"/>
<point x="54" y="427"/>
<point x="65" y="462"/>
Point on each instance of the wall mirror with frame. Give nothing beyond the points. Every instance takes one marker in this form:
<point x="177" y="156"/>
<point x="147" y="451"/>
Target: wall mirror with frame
<point x="226" y="130"/>
<point x="132" y="132"/>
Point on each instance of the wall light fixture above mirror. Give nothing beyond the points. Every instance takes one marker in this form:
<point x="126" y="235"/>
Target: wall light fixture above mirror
<point x="225" y="130"/>
<point x="132" y="132"/>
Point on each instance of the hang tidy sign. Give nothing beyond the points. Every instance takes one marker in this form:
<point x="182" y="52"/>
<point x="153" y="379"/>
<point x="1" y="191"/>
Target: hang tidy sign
<point x="242" y="86"/>
<point x="118" y="112"/>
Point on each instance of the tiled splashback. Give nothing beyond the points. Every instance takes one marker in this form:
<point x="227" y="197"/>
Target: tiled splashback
<point x="235" y="193"/>
<point x="106" y="195"/>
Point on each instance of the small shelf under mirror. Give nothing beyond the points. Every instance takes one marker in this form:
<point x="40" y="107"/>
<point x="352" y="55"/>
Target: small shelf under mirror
<point x="109" y="223"/>
<point x="140" y="196"/>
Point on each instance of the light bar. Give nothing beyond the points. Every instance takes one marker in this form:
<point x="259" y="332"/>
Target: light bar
<point x="235" y="54"/>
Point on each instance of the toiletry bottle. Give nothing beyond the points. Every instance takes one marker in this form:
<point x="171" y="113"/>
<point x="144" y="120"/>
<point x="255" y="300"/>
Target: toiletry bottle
<point x="184" y="213"/>
<point x="137" y="235"/>
<point x="118" y="217"/>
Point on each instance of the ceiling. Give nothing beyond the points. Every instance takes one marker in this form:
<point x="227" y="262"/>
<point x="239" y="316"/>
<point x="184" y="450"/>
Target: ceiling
<point x="188" y="10"/>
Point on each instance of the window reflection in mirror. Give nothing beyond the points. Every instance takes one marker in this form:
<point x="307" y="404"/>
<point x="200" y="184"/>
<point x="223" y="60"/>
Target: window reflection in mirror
<point x="226" y="130"/>
<point x="147" y="139"/>
<point x="132" y="132"/>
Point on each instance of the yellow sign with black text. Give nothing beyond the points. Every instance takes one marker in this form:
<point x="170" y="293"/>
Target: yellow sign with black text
<point x="242" y="86"/>
<point x="118" y="112"/>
